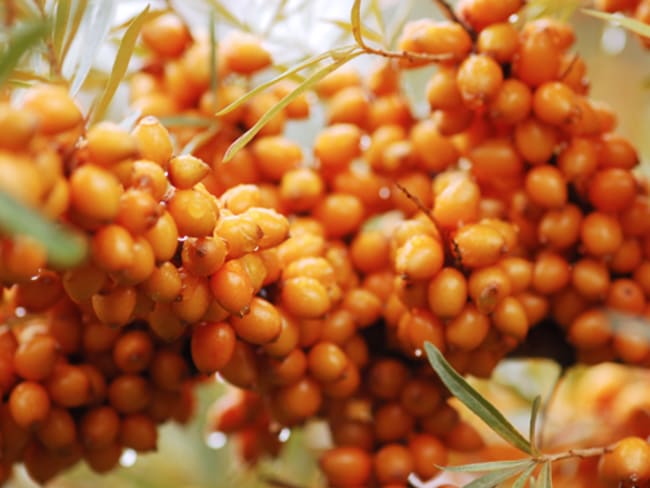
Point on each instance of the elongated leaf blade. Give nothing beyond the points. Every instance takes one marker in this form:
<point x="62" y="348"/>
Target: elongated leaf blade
<point x="492" y="479"/>
<point x="96" y="24"/>
<point x="546" y="476"/>
<point x="312" y="61"/>
<point x="524" y="477"/>
<point x="355" y="21"/>
<point x="227" y="15"/>
<point x="474" y="401"/>
<point x="534" y="413"/>
<point x="375" y="8"/>
<point x="73" y="27"/>
<point x="120" y="65"/>
<point x="212" y="29"/>
<point x="488" y="466"/>
<point x="60" y="23"/>
<point x="247" y="136"/>
<point x="65" y="248"/>
<point x="347" y="27"/>
<point x="22" y="39"/>
<point x="629" y="23"/>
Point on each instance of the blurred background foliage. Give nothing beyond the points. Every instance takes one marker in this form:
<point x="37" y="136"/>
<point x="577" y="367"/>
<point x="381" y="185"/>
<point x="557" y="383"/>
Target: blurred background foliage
<point x="191" y="456"/>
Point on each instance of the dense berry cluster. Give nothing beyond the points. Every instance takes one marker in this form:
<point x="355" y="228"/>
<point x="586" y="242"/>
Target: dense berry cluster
<point x="312" y="281"/>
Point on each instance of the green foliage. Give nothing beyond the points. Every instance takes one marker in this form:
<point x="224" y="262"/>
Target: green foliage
<point x="22" y="38"/>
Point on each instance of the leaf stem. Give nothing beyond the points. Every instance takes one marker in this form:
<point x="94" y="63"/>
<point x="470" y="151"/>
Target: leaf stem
<point x="448" y="12"/>
<point x="574" y="453"/>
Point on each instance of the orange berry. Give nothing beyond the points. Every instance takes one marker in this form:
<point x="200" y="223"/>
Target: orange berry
<point x="95" y="193"/>
<point x="419" y="258"/>
<point x="468" y="329"/>
<point x="478" y="245"/>
<point x="479" y="79"/>
<point x="29" y="404"/>
<point x="346" y="466"/>
<point x="244" y="53"/>
<point x="447" y="293"/>
<point x="261" y="325"/>
<point x="601" y="234"/>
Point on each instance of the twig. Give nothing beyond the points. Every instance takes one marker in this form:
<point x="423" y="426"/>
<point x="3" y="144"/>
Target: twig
<point x="574" y="453"/>
<point x="271" y="480"/>
<point x="448" y="12"/>
<point x="546" y="407"/>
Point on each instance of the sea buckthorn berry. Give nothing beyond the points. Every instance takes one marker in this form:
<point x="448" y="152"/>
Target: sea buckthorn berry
<point x="163" y="284"/>
<point x="342" y="77"/>
<point x="53" y="106"/>
<point x="468" y="329"/>
<point x="69" y="386"/>
<point x="153" y="140"/>
<point x="479" y="79"/>
<point x="369" y="251"/>
<point x="495" y="159"/>
<point x="512" y="103"/>
<point x="560" y="228"/>
<point x="601" y="234"/>
<point x="386" y="378"/>
<point x="635" y="220"/>
<point x="340" y="214"/>
<point x="29" y="404"/>
<point x="453" y="121"/>
<point x="40" y="293"/>
<point x="289" y="369"/>
<point x="353" y="433"/>
<point x="115" y="308"/>
<point x="535" y="141"/>
<point x="112" y="248"/>
<point x="519" y="271"/>
<point x="412" y="187"/>
<point x="129" y="393"/>
<point x="149" y="176"/>
<point x="419" y="258"/>
<point x="629" y="462"/>
<point x="428" y="452"/>
<point x="255" y="109"/>
<point x="442" y="91"/>
<point x="535" y="304"/>
<point x="244" y="53"/>
<point x="326" y="361"/>
<point x="305" y="297"/>
<point x="300" y="400"/>
<point x="186" y="170"/>
<point x="276" y="155"/>
<point x="261" y="325"/>
<point x="616" y="151"/>
<point x="482" y="13"/>
<point x="349" y="105"/>
<point x="204" y="255"/>
<point x="138" y="431"/>
<point x="464" y="438"/>
<point x="426" y="36"/>
<point x="434" y="151"/>
<point x="546" y="187"/>
<point x="509" y="317"/>
<point x="95" y="193"/>
<point x="193" y="301"/>
<point x="338" y="326"/>
<point x="392" y="423"/>
<point x="241" y="234"/>
<point x="626" y="296"/>
<point x="166" y="35"/>
<point x="163" y="237"/>
<point x="346" y="385"/>
<point x="194" y="213"/>
<point x="393" y="463"/>
<point x="104" y="459"/>
<point x="287" y="339"/>
<point x="17" y="127"/>
<point x="590" y="329"/>
<point x="447" y="293"/>
<point x="420" y="326"/>
<point x="551" y="273"/>
<point x="34" y="360"/>
<point x="499" y="41"/>
<point x="612" y="190"/>
<point x="274" y="226"/>
<point x="336" y="146"/>
<point x="23" y="256"/>
<point x="627" y="258"/>
<point x="107" y="143"/>
<point x="556" y="104"/>
<point x="365" y="306"/>
<point x="232" y="287"/>
<point x="58" y="431"/>
<point x="138" y="211"/>
<point x="301" y="189"/>
<point x="420" y="397"/>
<point x="98" y="337"/>
<point x="488" y="286"/>
<point x="458" y="203"/>
<point x="538" y="58"/>
<point x="240" y="198"/>
<point x="133" y="351"/>
<point x="299" y="107"/>
<point x="346" y="466"/>
<point x="142" y="267"/>
<point x="642" y="277"/>
<point x="384" y="78"/>
<point x="478" y="245"/>
<point x="169" y="370"/>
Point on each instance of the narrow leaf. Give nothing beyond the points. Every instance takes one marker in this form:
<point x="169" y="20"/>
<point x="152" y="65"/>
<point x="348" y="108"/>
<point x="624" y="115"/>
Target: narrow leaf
<point x="212" y="29"/>
<point x="347" y="27"/>
<point x="534" y="413"/>
<point x="60" y="23"/>
<point x="525" y="476"/>
<point x="312" y="61"/>
<point x="21" y="40"/>
<point x="629" y="23"/>
<point x="474" y="401"/>
<point x="64" y="247"/>
<point x="546" y="477"/>
<point x="198" y="140"/>
<point x="489" y="466"/>
<point x="120" y="65"/>
<point x="72" y="28"/>
<point x="96" y="24"/>
<point x="492" y="479"/>
<point x="355" y="20"/>
<point x="246" y="137"/>
<point x="375" y="8"/>
<point x="227" y="15"/>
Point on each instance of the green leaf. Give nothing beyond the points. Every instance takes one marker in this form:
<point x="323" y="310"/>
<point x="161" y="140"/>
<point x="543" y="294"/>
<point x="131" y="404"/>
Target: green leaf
<point x="492" y="479"/>
<point x="95" y="23"/>
<point x="72" y="28"/>
<point x="60" y="23"/>
<point x="312" y="61"/>
<point x="546" y="477"/>
<point x="120" y="65"/>
<point x="65" y="248"/>
<point x="474" y="401"/>
<point x="21" y="40"/>
<point x="489" y="466"/>
<point x="347" y="27"/>
<point x="246" y="137"/>
<point x="534" y="413"/>
<point x="629" y="23"/>
<point x="525" y="476"/>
